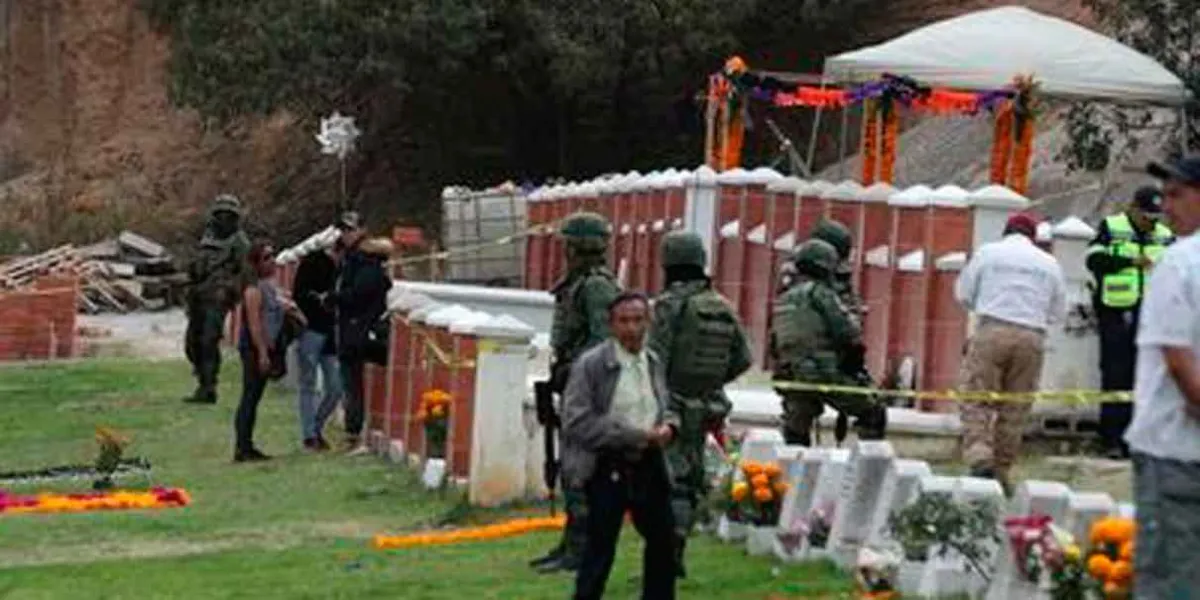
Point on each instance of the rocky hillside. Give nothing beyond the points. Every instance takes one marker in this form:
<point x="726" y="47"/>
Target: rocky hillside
<point x="89" y="142"/>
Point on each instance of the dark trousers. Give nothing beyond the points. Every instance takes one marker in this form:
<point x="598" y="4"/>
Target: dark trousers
<point x="352" y="376"/>
<point x="202" y="346"/>
<point x="254" y="384"/>
<point x="1118" y="357"/>
<point x="642" y="489"/>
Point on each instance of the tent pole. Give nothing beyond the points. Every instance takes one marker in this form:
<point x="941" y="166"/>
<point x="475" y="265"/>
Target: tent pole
<point x="842" y="140"/>
<point x="812" y="139"/>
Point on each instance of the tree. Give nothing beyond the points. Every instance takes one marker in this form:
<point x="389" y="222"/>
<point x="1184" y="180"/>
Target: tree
<point x="1166" y="30"/>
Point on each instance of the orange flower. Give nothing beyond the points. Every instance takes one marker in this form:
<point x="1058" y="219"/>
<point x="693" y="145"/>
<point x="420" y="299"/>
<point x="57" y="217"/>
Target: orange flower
<point x="763" y="494"/>
<point x="1100" y="529"/>
<point x="1121" y="531"/>
<point x="1126" y="552"/>
<point x="780" y="488"/>
<point x="751" y="468"/>
<point x="422" y="415"/>
<point x="438" y="411"/>
<point x="772" y="470"/>
<point x="760" y="481"/>
<point x="1099" y="566"/>
<point x="499" y="530"/>
<point x="739" y="491"/>
<point x="1121" y="572"/>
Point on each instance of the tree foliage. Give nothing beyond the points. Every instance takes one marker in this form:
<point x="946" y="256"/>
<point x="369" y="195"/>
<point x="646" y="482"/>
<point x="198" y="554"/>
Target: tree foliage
<point x="1166" y="30"/>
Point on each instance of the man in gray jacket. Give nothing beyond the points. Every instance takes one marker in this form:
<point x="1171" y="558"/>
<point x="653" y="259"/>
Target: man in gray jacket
<point x="616" y="422"/>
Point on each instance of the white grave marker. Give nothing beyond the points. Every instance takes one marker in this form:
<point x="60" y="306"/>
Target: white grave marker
<point x="898" y="490"/>
<point x="1084" y="509"/>
<point x="1047" y="498"/>
<point x="862" y="485"/>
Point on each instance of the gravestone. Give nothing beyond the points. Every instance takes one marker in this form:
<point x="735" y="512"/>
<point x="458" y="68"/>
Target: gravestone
<point x="1032" y="498"/>
<point x="1126" y="510"/>
<point x="760" y="445"/>
<point x="858" y="499"/>
<point x="898" y="490"/>
<point x="948" y="575"/>
<point x="1084" y="509"/>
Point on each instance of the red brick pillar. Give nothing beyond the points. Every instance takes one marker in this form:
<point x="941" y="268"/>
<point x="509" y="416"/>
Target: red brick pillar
<point x="727" y="274"/>
<point x="810" y="208"/>
<point x="639" y="267"/>
<point x="465" y="345"/>
<point x="907" y="304"/>
<point x="537" y="244"/>
<point x="946" y="334"/>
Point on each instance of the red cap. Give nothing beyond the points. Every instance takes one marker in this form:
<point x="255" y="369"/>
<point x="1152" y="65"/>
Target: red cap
<point x="1022" y="223"/>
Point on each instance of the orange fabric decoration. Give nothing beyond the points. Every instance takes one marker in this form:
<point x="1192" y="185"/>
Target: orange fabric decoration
<point x="1022" y="156"/>
<point x="1002" y="144"/>
<point x="870" y="141"/>
<point x="887" y="155"/>
<point x="735" y="135"/>
<point x="473" y="534"/>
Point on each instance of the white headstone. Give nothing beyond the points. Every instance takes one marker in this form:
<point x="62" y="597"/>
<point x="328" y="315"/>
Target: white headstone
<point x="1126" y="510"/>
<point x="789" y="459"/>
<point x="802" y="483"/>
<point x="861" y="490"/>
<point x="1084" y="509"/>
<point x="1046" y="498"/>
<point x="948" y="575"/>
<point x="759" y="444"/>
<point x="899" y="488"/>
<point x="434" y="475"/>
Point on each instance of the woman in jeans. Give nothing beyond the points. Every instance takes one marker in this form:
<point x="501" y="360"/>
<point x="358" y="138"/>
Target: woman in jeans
<point x="265" y="309"/>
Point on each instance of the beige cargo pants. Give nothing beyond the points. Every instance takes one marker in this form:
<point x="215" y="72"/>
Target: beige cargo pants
<point x="1000" y="357"/>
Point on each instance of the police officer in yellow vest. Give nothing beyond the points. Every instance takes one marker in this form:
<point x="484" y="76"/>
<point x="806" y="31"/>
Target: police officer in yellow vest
<point x="1120" y="259"/>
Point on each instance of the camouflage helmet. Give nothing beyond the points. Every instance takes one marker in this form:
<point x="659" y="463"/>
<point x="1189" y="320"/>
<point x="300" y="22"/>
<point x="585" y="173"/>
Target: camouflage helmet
<point x="683" y="248"/>
<point x="836" y="235"/>
<point x="585" y="231"/>
<point x="816" y="256"/>
<point x="225" y="203"/>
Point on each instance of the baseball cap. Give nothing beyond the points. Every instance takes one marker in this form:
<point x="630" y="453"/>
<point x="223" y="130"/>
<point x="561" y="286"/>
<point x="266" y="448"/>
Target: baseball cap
<point x="349" y="220"/>
<point x="1148" y="199"/>
<point x="1023" y="223"/>
<point x="1185" y="169"/>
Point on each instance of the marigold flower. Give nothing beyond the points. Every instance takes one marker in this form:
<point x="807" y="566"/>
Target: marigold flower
<point x="1126" y="552"/>
<point x="1099" y="566"/>
<point x="760" y="481"/>
<point x="763" y="494"/>
<point x="739" y="491"/>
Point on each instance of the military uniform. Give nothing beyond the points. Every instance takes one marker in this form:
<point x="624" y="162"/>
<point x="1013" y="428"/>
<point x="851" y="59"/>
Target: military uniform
<point x="698" y="338"/>
<point x="215" y="278"/>
<point x="581" y="302"/>
<point x="816" y="339"/>
<point x="839" y="236"/>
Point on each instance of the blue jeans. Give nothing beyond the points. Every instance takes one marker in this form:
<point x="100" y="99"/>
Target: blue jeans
<point x="309" y="351"/>
<point x="1166" y="495"/>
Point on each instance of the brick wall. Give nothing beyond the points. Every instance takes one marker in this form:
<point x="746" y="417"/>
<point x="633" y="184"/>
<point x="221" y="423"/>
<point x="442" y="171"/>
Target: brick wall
<point x="39" y="323"/>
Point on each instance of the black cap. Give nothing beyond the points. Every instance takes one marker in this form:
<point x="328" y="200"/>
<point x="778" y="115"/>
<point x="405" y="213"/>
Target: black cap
<point x="1148" y="199"/>
<point x="349" y="220"/>
<point x="1183" y="170"/>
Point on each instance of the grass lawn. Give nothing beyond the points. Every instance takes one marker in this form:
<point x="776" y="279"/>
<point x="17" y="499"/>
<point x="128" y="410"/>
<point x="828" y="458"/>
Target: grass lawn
<point x="297" y="527"/>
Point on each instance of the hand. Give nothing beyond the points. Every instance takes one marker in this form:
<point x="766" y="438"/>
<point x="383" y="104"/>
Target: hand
<point x="264" y="362"/>
<point x="1142" y="262"/>
<point x="662" y="435"/>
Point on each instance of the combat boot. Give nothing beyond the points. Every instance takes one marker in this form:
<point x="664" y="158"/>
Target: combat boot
<point x="202" y="396"/>
<point x="554" y="555"/>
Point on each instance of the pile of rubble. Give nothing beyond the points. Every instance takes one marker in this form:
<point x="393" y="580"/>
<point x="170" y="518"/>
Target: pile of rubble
<point x="122" y="274"/>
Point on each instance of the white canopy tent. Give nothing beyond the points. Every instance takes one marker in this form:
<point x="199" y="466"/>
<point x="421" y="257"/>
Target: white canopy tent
<point x="984" y="50"/>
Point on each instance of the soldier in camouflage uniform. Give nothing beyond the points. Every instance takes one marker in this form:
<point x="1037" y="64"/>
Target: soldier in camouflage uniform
<point x="816" y="339"/>
<point x="215" y="277"/>
<point x="697" y="336"/>
<point x="581" y="301"/>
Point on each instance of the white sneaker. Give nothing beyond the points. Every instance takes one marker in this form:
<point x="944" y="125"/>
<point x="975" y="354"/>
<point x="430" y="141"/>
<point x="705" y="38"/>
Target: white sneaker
<point x="359" y="451"/>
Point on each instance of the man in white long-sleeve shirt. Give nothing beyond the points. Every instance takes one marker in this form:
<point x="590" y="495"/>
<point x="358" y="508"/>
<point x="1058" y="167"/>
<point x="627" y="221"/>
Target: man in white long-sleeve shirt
<point x="1016" y="291"/>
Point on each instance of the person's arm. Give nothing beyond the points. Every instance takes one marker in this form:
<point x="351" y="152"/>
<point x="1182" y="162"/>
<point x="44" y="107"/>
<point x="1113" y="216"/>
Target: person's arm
<point x="662" y="328"/>
<point x="966" y="287"/>
<point x="1100" y="261"/>
<point x="584" y="424"/>
<point x="741" y="361"/>
<point x="1171" y="327"/>
<point x="597" y="293"/>
<point x="253" y="300"/>
<point x="844" y="331"/>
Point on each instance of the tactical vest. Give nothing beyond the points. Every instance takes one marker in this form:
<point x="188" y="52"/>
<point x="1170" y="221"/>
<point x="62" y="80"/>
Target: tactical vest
<point x="569" y="329"/>
<point x="1123" y="289"/>
<point x="799" y="329"/>
<point x="706" y="337"/>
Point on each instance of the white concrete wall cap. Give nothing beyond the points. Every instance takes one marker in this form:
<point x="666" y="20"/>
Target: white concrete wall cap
<point x="504" y="326"/>
<point x="998" y="196"/>
<point x="950" y="196"/>
<point x="913" y="262"/>
<point x="758" y="235"/>
<point x="763" y="176"/>
<point x="879" y="256"/>
<point x="703" y="176"/>
<point x="785" y="242"/>
<point x="816" y="188"/>
<point x="660" y="225"/>
<point x="954" y="261"/>
<point x="1044" y="232"/>
<point x="876" y="192"/>
<point x="731" y="229"/>
<point x="915" y="196"/>
<point x="625" y="229"/>
<point x="409" y="301"/>
<point x="421" y="314"/>
<point x="677" y="224"/>
<point x="1074" y="228"/>
<point x="846" y="190"/>
<point x="468" y="323"/>
<point x="734" y="176"/>
<point x="787" y="185"/>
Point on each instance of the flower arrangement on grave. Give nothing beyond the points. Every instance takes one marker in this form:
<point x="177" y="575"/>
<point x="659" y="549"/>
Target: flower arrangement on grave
<point x="759" y="497"/>
<point x="938" y="522"/>
<point x="819" y="524"/>
<point x="1110" y="562"/>
<point x="112" y="447"/>
<point x="875" y="573"/>
<point x="1047" y="555"/>
<point x="63" y="503"/>
<point x="720" y="462"/>
<point x="433" y="414"/>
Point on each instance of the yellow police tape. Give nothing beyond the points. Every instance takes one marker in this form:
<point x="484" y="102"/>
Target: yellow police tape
<point x="1074" y="397"/>
<point x="503" y="241"/>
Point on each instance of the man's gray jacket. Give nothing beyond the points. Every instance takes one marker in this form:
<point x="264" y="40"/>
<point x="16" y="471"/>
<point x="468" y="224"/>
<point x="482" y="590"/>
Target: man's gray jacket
<point x="589" y="430"/>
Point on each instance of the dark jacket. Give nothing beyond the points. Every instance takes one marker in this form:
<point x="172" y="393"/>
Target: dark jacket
<point x="361" y="296"/>
<point x="316" y="279"/>
<point x="589" y="431"/>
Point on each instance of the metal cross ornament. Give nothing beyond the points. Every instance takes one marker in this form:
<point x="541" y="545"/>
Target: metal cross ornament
<point x="337" y="135"/>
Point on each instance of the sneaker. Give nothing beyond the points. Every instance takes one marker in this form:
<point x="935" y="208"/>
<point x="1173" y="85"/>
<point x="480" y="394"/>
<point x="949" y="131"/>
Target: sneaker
<point x="312" y="445"/>
<point x="359" y="450"/>
<point x="251" y="455"/>
<point x="322" y="445"/>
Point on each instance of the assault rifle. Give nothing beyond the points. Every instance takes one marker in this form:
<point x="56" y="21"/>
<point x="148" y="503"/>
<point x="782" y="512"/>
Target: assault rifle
<point x="543" y="394"/>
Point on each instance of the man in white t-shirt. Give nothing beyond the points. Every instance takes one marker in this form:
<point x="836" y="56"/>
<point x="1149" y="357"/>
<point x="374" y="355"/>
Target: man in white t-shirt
<point x="1164" y="436"/>
<point x="1015" y="290"/>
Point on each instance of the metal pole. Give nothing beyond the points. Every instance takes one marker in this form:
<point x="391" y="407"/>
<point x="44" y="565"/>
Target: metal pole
<point x="842" y="142"/>
<point x="812" y="139"/>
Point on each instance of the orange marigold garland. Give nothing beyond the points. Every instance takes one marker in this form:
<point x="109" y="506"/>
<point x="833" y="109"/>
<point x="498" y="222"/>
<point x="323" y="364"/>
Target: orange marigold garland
<point x="473" y="534"/>
<point x="71" y="503"/>
<point x="870" y="141"/>
<point x="891" y="131"/>
<point x="1024" y="115"/>
<point x="1002" y="140"/>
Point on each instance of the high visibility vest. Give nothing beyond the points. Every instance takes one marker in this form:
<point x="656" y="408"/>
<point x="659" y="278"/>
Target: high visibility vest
<point x="1123" y="289"/>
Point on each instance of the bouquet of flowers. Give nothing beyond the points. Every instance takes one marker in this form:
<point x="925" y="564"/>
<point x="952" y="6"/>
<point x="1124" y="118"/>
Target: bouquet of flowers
<point x="759" y="498"/>
<point x="1110" y="563"/>
<point x="433" y="414"/>
<point x="820" y="524"/>
<point x="876" y="572"/>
